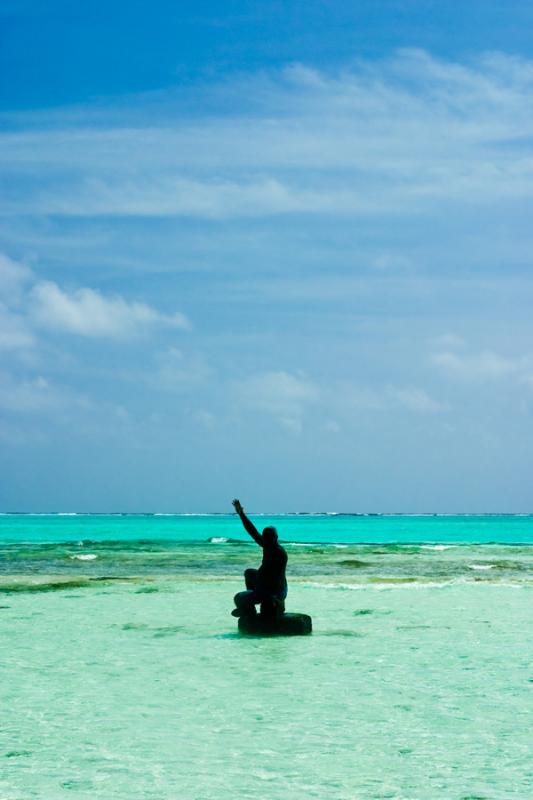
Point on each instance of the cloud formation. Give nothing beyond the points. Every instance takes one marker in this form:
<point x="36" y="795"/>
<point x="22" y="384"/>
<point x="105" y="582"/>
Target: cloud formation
<point x="36" y="394"/>
<point x="26" y="302"/>
<point x="87" y="312"/>
<point x="280" y="394"/>
<point x="381" y="137"/>
<point x="484" y="366"/>
<point x="415" y="399"/>
<point x="293" y="400"/>
<point x="176" y="372"/>
<point x="355" y="245"/>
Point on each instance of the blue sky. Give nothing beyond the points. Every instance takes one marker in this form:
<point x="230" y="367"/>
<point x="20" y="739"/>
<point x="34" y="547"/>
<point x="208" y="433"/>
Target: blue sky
<point x="280" y="251"/>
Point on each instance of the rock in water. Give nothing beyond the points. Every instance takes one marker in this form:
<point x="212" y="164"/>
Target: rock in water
<point x="284" y="625"/>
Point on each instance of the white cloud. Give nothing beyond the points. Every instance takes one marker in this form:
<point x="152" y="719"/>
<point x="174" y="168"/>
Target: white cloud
<point x="353" y="398"/>
<point x="486" y="365"/>
<point x="87" y="312"/>
<point x="215" y="199"/>
<point x="281" y="394"/>
<point x="36" y="394"/>
<point x="390" y="136"/>
<point x="450" y="340"/>
<point x="178" y="372"/>
<point x="26" y="302"/>
<point x="416" y="400"/>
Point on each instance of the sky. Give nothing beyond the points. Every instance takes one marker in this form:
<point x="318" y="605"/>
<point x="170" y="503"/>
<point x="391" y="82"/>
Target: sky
<point x="280" y="251"/>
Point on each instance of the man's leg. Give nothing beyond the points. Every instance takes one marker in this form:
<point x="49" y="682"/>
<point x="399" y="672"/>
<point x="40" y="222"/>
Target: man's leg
<point x="250" y="578"/>
<point x="245" y="603"/>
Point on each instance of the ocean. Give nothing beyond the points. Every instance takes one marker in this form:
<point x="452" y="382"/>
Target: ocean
<point x="122" y="674"/>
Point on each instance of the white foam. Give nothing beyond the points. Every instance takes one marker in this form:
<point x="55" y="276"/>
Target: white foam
<point x="480" y="566"/>
<point x="436" y="546"/>
<point x="217" y="539"/>
<point x="85" y="557"/>
<point x="319" y="585"/>
<point x="299" y="544"/>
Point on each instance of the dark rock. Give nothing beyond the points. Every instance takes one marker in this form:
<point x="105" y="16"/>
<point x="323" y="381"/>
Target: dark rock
<point x="284" y="625"/>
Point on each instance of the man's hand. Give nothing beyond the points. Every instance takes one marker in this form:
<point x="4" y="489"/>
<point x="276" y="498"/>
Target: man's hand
<point x="238" y="507"/>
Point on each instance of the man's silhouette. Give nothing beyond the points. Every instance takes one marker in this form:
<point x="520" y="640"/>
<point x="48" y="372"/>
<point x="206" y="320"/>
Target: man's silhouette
<point x="266" y="585"/>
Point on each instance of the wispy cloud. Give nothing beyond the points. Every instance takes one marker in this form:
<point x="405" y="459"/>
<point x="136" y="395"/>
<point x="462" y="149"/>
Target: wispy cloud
<point x="350" y="398"/>
<point x="280" y="394"/>
<point x="87" y="312"/>
<point x="485" y="366"/>
<point x="417" y="400"/>
<point x="212" y="199"/>
<point x="37" y="394"/>
<point x="293" y="399"/>
<point x="177" y="372"/>
<point x="391" y="136"/>
<point x="28" y="303"/>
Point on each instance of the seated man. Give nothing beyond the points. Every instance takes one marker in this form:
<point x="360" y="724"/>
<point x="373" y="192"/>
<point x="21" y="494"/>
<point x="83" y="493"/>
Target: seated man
<point x="266" y="585"/>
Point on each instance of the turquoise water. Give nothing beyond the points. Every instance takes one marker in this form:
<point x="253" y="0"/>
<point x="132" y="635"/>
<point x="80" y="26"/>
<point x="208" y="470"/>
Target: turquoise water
<point x="39" y="551"/>
<point x="122" y="674"/>
<point x="339" y="528"/>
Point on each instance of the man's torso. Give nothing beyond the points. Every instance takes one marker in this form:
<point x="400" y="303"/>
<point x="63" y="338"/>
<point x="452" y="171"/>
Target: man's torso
<point x="272" y="569"/>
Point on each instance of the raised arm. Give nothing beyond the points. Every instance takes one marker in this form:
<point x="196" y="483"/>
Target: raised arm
<point x="249" y="527"/>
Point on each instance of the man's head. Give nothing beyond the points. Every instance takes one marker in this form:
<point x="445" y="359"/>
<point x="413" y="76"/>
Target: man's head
<point x="270" y="535"/>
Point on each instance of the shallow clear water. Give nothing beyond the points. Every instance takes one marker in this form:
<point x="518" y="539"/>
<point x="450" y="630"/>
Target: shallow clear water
<point x="123" y="676"/>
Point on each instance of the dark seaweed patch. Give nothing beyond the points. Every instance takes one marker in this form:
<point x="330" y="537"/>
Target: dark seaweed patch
<point x="77" y="784"/>
<point x="134" y="626"/>
<point x="60" y="584"/>
<point x="412" y="627"/>
<point x="49" y="586"/>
